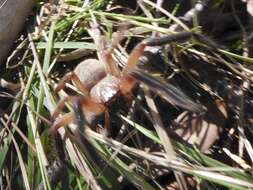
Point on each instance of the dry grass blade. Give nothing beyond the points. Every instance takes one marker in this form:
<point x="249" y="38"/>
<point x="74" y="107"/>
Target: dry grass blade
<point x="21" y="161"/>
<point x="80" y="163"/>
<point x="166" y="142"/>
<point x="30" y="145"/>
<point x="172" y="17"/>
<point x="174" y="164"/>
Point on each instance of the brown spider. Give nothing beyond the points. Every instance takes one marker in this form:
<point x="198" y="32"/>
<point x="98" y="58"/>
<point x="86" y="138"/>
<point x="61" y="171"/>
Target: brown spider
<point x="101" y="83"/>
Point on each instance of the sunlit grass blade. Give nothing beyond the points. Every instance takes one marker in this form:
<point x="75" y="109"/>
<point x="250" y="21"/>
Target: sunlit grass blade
<point x="67" y="45"/>
<point x="233" y="179"/>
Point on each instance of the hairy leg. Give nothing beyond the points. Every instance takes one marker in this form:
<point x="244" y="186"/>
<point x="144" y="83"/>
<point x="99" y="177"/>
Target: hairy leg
<point x="72" y="77"/>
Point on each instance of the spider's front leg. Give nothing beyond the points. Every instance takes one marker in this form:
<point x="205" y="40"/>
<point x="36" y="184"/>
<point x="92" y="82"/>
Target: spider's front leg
<point x="157" y="41"/>
<point x="127" y="81"/>
<point x="160" y="41"/>
<point x="169" y="92"/>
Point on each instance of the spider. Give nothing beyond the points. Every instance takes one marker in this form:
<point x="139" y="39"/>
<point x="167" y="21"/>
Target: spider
<point x="101" y="82"/>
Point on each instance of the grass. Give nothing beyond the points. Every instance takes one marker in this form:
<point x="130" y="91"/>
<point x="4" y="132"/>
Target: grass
<point x="28" y="153"/>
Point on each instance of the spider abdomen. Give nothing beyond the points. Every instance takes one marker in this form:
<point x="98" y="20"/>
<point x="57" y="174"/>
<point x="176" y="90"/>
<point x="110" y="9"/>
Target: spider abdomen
<point x="90" y="72"/>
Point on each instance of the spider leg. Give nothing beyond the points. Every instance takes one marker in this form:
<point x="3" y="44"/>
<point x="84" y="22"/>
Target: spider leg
<point x="167" y="91"/>
<point x="127" y="82"/>
<point x="85" y="103"/>
<point x="182" y="36"/>
<point x="72" y="77"/>
<point x="62" y="121"/>
<point x="105" y="53"/>
<point x="158" y="41"/>
<point x="60" y="107"/>
<point x="95" y="108"/>
<point x="112" y="66"/>
<point x="65" y="119"/>
<point x="89" y="105"/>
